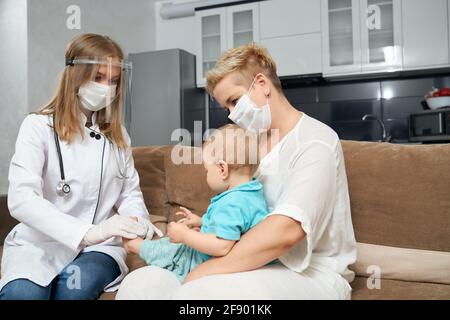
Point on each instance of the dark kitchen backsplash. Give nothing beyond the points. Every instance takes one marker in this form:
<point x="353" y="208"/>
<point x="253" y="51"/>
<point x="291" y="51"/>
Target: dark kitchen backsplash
<point x="341" y="105"/>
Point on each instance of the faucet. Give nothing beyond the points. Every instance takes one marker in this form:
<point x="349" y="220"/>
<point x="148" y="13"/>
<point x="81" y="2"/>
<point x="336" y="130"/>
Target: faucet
<point x="384" y="136"/>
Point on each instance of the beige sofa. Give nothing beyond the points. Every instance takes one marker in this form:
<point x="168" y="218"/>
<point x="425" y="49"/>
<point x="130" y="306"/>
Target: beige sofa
<point x="400" y="198"/>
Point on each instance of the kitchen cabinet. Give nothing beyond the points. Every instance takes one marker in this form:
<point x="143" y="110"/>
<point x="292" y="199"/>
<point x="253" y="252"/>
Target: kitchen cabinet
<point x="341" y="37"/>
<point x="242" y="25"/>
<point x="291" y="31"/>
<point x="211" y="40"/>
<point x="221" y="29"/>
<point x="296" y="55"/>
<point x="381" y="35"/>
<point x="425" y="33"/>
<point x="281" y="18"/>
<point x="361" y="36"/>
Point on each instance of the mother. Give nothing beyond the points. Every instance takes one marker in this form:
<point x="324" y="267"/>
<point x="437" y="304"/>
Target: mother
<point x="309" y="228"/>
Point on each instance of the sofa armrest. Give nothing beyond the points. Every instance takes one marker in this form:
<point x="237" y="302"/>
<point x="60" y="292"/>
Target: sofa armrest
<point x="6" y="221"/>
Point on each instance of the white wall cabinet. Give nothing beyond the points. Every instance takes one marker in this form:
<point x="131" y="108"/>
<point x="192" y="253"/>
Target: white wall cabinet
<point x="221" y="29"/>
<point x="333" y="37"/>
<point x="341" y="37"/>
<point x="381" y="35"/>
<point x="291" y="31"/>
<point x="280" y="18"/>
<point x="296" y="55"/>
<point x="425" y="33"/>
<point x="361" y="36"/>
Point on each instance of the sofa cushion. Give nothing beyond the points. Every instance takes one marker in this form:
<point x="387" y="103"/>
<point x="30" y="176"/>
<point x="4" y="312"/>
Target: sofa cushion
<point x="403" y="264"/>
<point x="400" y="194"/>
<point x="134" y="262"/>
<point x="186" y="183"/>
<point x="1" y="256"/>
<point x="399" y="290"/>
<point x="108" y="296"/>
<point x="6" y="221"/>
<point x="400" y="204"/>
<point x="149" y="163"/>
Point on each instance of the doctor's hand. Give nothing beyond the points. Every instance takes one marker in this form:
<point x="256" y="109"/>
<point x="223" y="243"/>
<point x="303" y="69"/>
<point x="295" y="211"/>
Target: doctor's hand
<point x="191" y="220"/>
<point x="149" y="228"/>
<point x="116" y="226"/>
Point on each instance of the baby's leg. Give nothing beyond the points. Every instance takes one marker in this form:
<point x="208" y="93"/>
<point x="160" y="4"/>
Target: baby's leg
<point x="160" y="253"/>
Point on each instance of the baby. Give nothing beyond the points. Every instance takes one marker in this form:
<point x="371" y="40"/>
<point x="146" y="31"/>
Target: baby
<point x="230" y="157"/>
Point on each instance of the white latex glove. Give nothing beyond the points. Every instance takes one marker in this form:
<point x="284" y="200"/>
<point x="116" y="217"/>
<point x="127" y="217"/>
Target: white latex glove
<point x="116" y="226"/>
<point x="149" y="227"/>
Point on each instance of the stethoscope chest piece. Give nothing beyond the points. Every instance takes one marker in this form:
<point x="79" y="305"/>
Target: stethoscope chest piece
<point x="62" y="189"/>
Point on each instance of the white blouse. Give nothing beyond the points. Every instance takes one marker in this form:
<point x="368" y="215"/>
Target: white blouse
<point x="304" y="178"/>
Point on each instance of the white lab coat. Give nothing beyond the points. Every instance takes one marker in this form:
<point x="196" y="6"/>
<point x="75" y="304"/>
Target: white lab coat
<point x="52" y="227"/>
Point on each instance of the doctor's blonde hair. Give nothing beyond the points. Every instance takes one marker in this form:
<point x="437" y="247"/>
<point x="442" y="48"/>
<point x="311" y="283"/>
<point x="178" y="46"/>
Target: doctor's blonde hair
<point x="65" y="104"/>
<point x="247" y="61"/>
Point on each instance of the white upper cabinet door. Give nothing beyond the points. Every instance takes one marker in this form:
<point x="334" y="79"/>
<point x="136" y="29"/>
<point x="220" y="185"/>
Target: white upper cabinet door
<point x="381" y="35"/>
<point x="341" y="40"/>
<point x="280" y="18"/>
<point x="425" y="33"/>
<point x="242" y="24"/>
<point x="211" y="40"/>
<point x="296" y="55"/>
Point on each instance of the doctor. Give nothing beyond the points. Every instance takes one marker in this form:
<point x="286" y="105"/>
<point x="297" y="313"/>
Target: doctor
<point x="73" y="185"/>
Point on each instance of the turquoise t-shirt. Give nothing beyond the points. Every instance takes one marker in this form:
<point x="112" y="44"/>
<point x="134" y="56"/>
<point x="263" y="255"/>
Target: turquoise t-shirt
<point x="235" y="211"/>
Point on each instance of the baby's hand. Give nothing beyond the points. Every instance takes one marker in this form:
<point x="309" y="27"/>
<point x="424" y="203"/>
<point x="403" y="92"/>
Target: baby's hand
<point x="176" y="232"/>
<point x="191" y="220"/>
<point x="132" y="246"/>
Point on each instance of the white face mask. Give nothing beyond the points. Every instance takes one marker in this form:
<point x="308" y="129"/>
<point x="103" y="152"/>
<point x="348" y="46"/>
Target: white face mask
<point x="249" y="116"/>
<point x="95" y="96"/>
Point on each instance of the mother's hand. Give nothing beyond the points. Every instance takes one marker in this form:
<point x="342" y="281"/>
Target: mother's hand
<point x="267" y="241"/>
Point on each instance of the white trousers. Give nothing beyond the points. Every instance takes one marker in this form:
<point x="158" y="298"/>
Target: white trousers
<point x="273" y="282"/>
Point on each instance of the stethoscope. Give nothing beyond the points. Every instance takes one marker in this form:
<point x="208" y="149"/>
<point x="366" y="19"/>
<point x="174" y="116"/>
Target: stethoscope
<point x="63" y="188"/>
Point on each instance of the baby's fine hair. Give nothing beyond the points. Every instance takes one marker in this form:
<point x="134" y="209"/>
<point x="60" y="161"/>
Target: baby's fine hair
<point x="234" y="145"/>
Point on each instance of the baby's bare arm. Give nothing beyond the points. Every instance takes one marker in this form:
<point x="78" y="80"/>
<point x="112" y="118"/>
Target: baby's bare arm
<point x="208" y="243"/>
<point x="203" y="242"/>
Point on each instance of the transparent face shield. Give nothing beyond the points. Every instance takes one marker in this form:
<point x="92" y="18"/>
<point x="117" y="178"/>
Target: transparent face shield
<point x="104" y="87"/>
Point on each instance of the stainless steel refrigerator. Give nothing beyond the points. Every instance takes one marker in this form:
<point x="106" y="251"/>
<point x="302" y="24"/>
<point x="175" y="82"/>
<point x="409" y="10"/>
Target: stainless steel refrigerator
<point x="164" y="97"/>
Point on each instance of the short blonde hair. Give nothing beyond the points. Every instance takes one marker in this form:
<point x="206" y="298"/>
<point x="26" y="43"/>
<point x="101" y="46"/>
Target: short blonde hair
<point x="236" y="146"/>
<point x="248" y="61"/>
